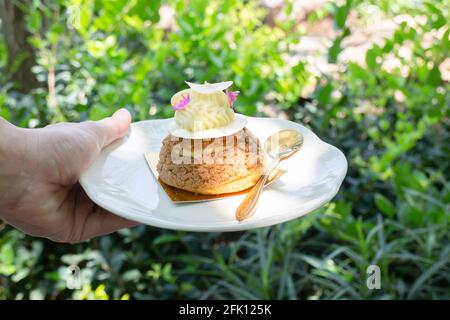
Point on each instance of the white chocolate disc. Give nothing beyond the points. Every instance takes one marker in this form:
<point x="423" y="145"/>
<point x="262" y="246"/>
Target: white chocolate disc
<point x="208" y="88"/>
<point x="238" y="123"/>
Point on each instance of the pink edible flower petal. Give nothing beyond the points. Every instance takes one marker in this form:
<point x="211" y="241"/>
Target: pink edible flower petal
<point x="183" y="103"/>
<point x="232" y="96"/>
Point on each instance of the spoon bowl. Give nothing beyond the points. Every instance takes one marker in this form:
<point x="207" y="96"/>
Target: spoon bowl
<point x="283" y="144"/>
<point x="278" y="146"/>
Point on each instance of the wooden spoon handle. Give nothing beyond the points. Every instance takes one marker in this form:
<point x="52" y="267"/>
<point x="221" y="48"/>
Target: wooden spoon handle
<point x="248" y="205"/>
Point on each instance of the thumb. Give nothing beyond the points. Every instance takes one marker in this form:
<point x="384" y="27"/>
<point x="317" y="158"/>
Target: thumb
<point x="114" y="127"/>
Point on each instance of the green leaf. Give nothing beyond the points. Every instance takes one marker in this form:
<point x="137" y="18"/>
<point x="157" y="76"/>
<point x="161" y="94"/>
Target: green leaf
<point x="34" y="21"/>
<point x="7" y="270"/>
<point x="185" y="25"/>
<point x="434" y="76"/>
<point x="132" y="275"/>
<point x="98" y="112"/>
<point x="358" y="72"/>
<point x="55" y="32"/>
<point x="334" y="50"/>
<point x="4" y="112"/>
<point x="371" y="57"/>
<point x="134" y="21"/>
<point x="166" y="238"/>
<point x="147" y="10"/>
<point x="384" y="205"/>
<point x="323" y="97"/>
<point x="7" y="254"/>
<point x="85" y="16"/>
<point x="435" y="17"/>
<point x="217" y="60"/>
<point x="446" y="40"/>
<point x="342" y="14"/>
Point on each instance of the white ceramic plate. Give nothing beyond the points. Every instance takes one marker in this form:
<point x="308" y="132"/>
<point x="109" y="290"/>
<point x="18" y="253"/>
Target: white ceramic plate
<point x="120" y="181"/>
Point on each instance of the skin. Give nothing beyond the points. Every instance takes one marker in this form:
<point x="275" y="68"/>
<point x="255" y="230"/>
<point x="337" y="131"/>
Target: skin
<point x="39" y="172"/>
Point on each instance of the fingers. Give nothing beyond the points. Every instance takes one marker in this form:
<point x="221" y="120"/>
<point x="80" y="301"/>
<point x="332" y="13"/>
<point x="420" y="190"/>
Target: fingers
<point x="101" y="222"/>
<point x="114" y="127"/>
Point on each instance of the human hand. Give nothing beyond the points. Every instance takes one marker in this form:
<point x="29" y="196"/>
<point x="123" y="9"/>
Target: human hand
<point x="39" y="172"/>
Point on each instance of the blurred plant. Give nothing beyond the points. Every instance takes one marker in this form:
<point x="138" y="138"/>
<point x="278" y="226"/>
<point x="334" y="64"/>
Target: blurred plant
<point x="390" y="115"/>
<point x="88" y="49"/>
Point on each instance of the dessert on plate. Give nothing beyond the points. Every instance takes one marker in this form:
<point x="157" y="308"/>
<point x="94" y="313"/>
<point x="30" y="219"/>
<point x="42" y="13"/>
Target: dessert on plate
<point x="210" y="151"/>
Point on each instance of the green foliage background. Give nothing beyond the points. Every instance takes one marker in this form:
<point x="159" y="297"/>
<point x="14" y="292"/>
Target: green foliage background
<point x="393" y="125"/>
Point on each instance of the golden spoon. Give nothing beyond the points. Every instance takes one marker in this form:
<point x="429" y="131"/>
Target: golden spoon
<point x="278" y="146"/>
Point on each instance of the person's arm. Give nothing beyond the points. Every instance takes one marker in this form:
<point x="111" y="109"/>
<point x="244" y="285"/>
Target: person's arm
<point x="39" y="172"/>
